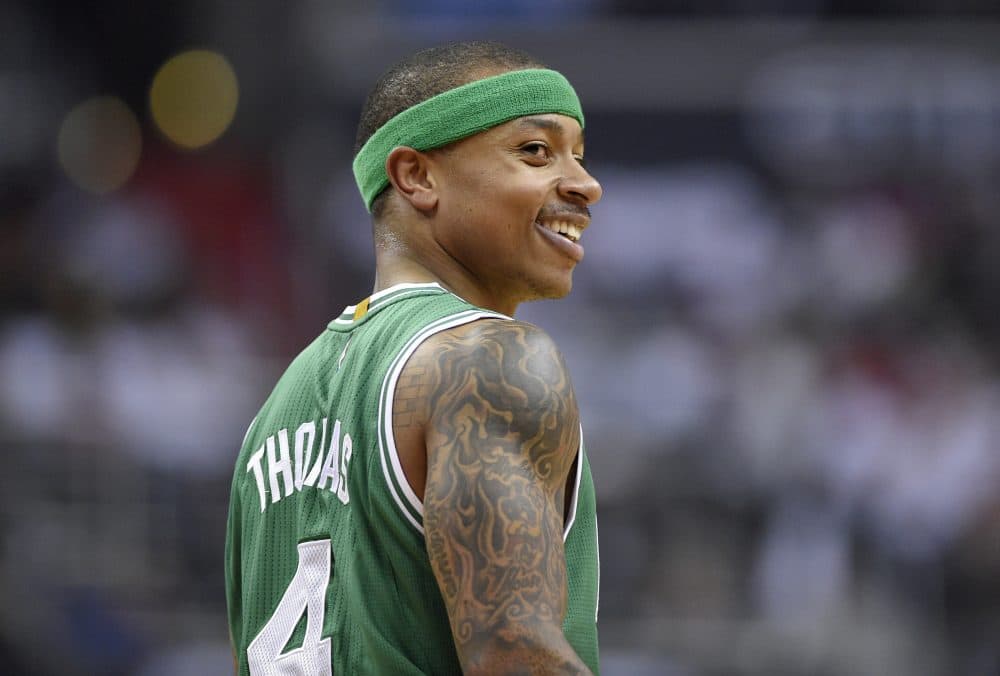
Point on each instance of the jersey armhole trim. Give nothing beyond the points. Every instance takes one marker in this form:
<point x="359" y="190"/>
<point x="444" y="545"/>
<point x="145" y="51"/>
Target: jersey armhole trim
<point x="575" y="499"/>
<point x="411" y="507"/>
<point x="247" y="434"/>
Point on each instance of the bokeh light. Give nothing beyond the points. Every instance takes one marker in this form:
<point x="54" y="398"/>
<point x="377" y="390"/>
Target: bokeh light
<point x="99" y="144"/>
<point x="193" y="97"/>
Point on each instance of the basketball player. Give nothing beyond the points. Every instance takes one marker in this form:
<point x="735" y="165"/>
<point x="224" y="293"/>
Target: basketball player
<point x="414" y="497"/>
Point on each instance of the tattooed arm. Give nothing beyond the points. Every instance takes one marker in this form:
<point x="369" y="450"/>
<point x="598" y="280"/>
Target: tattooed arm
<point x="501" y="433"/>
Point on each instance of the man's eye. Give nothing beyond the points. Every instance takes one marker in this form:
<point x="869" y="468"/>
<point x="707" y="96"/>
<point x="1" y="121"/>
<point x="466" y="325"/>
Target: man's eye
<point x="536" y="149"/>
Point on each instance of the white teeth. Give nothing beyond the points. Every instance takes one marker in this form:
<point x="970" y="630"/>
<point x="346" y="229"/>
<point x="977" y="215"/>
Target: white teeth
<point x="562" y="227"/>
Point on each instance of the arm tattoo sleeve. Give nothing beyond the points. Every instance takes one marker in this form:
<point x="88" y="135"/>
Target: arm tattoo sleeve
<point x="502" y="434"/>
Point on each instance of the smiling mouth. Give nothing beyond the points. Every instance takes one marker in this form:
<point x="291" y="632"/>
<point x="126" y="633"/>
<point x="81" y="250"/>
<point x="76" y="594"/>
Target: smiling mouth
<point x="564" y="228"/>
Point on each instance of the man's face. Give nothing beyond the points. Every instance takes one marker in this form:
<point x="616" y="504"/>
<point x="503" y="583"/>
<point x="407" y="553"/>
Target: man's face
<point x="504" y="193"/>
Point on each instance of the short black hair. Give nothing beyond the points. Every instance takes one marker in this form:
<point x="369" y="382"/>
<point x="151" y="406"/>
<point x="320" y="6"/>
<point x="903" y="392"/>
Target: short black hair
<point x="428" y="73"/>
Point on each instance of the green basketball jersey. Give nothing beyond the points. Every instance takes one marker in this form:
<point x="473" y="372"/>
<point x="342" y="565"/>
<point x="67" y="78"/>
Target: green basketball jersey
<point x="326" y="567"/>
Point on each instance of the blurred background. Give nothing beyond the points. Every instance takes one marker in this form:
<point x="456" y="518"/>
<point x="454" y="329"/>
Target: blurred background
<point x="785" y="337"/>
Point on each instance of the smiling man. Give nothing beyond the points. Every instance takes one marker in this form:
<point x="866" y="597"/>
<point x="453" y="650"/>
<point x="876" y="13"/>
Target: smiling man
<point x="414" y="497"/>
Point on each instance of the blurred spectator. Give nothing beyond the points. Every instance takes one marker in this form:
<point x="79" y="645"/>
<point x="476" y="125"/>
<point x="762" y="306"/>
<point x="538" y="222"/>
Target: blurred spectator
<point x="785" y="336"/>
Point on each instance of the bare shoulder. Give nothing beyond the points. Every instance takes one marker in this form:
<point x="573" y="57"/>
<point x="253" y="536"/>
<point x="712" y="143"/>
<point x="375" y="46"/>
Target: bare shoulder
<point x="519" y="339"/>
<point x="507" y="376"/>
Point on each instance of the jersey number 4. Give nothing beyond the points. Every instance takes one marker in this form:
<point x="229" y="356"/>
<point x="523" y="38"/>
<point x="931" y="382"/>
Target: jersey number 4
<point x="305" y="593"/>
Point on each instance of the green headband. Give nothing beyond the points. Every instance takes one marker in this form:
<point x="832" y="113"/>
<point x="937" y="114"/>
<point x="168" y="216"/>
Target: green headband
<point x="461" y="112"/>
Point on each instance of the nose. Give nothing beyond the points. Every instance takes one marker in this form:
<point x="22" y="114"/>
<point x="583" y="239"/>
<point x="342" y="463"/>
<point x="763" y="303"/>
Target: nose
<point x="578" y="186"/>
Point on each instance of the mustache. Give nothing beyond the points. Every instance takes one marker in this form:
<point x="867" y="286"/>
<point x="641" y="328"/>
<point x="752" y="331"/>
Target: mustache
<point x="556" y="214"/>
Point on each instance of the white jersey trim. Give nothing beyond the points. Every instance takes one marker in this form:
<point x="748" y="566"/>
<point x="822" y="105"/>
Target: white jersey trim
<point x="403" y="285"/>
<point x="597" y="548"/>
<point x="247" y="434"/>
<point x="374" y="299"/>
<point x="574" y="501"/>
<point x="409" y="504"/>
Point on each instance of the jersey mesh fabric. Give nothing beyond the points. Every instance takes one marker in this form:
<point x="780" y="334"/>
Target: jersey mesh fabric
<point x="384" y="612"/>
<point x="583" y="573"/>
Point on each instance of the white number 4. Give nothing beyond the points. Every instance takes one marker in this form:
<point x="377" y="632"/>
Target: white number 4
<point x="306" y="592"/>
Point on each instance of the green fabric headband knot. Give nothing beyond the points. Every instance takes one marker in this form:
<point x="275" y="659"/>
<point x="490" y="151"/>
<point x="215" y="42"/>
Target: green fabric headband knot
<point x="461" y="112"/>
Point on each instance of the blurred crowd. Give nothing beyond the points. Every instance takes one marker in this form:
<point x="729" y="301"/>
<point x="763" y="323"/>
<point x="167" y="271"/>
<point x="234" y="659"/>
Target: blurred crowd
<point x="784" y="339"/>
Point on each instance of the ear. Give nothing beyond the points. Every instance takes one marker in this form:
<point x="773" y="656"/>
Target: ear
<point x="409" y="173"/>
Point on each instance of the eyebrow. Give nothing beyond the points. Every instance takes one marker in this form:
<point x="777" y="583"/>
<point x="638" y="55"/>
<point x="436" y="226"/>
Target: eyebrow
<point x="546" y="124"/>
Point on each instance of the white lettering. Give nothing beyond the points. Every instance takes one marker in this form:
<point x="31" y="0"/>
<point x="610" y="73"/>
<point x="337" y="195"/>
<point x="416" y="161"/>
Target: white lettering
<point x="282" y="465"/>
<point x="258" y="474"/>
<point x="290" y="469"/>
<point x="331" y="472"/>
<point x="310" y="479"/>
<point x="304" y="437"/>
<point x="345" y="457"/>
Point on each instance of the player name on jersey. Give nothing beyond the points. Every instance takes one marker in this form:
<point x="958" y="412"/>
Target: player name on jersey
<point x="281" y="472"/>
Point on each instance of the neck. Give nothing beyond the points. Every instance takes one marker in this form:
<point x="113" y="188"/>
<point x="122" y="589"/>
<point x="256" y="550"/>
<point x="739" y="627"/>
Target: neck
<point x="398" y="267"/>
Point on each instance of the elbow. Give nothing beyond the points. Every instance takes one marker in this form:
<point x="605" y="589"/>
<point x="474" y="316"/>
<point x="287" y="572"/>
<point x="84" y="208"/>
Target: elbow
<point x="513" y="653"/>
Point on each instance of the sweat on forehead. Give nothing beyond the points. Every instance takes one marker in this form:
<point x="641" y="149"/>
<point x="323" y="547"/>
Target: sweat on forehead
<point x="462" y="112"/>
